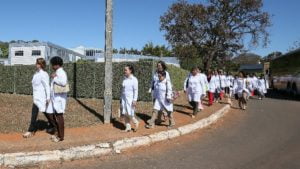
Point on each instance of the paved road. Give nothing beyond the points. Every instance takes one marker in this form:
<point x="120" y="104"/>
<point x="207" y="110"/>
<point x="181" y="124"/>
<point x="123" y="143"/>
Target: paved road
<point x="266" y="136"/>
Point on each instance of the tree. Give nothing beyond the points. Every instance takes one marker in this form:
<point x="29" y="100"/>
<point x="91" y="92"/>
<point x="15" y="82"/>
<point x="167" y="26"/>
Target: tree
<point x="158" y="50"/>
<point x="217" y="28"/>
<point x="295" y="46"/>
<point x="272" y="56"/>
<point x="108" y="62"/>
<point x="247" y="58"/>
<point x="4" y="48"/>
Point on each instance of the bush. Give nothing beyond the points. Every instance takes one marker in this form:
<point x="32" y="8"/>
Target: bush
<point x="178" y="76"/>
<point x="87" y="79"/>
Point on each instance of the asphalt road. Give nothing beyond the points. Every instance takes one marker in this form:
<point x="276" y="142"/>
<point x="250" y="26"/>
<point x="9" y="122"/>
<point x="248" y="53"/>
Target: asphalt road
<point x="265" y="136"/>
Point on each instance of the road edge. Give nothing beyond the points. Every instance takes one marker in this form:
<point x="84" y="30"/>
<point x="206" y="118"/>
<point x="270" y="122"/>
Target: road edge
<point x="101" y="149"/>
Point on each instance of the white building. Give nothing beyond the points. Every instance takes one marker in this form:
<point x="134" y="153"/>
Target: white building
<point x="90" y="52"/>
<point x="26" y="53"/>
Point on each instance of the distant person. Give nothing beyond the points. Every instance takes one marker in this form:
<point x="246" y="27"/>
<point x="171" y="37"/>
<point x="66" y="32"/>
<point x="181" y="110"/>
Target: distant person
<point x="262" y="87"/>
<point x="216" y="81"/>
<point x="194" y="86"/>
<point x="222" y="79"/>
<point x="163" y="100"/>
<point x="241" y="90"/>
<point x="205" y="87"/>
<point x="228" y="87"/>
<point x="41" y="95"/>
<point x="129" y="98"/>
<point x="59" y="94"/>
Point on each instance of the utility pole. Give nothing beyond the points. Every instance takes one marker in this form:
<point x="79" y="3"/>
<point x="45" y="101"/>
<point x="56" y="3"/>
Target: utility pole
<point x="108" y="62"/>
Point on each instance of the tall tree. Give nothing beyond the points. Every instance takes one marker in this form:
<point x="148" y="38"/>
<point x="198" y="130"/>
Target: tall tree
<point x="108" y="62"/>
<point x="217" y="28"/>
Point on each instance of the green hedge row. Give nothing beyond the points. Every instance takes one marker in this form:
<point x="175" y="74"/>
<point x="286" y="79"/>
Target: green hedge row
<point x="87" y="79"/>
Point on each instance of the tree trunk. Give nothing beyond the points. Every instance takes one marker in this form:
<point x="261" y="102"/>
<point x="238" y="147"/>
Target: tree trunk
<point x="108" y="62"/>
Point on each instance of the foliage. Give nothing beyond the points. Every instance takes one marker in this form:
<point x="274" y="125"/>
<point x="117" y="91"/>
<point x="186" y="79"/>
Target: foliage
<point x="87" y="79"/>
<point x="286" y="64"/>
<point x="215" y="29"/>
<point x="247" y="58"/>
<point x="178" y="76"/>
<point x="272" y="56"/>
<point x="4" y="49"/>
<point x="150" y="49"/>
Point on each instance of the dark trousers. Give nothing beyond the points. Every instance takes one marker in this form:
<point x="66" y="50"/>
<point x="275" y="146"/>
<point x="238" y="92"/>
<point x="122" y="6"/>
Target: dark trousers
<point x="57" y="120"/>
<point x="195" y="106"/>
<point x="34" y="116"/>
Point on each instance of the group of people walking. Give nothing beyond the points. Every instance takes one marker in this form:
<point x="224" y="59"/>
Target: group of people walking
<point x="51" y="98"/>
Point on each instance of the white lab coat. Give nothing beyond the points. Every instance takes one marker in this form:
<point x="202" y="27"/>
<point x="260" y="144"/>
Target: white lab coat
<point x="262" y="86"/>
<point x="249" y="83"/>
<point x="58" y="101"/>
<point x="156" y="79"/>
<point x="240" y="87"/>
<point x="229" y="81"/>
<point x="214" y="84"/>
<point x="129" y="95"/>
<point x="222" y="79"/>
<point x="205" y="82"/>
<point x="255" y="82"/>
<point x="41" y="89"/>
<point x="195" y="87"/>
<point x="163" y="93"/>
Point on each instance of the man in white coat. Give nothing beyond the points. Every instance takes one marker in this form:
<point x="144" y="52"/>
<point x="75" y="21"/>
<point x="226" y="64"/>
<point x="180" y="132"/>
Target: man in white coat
<point x="163" y="100"/>
<point x="57" y="105"/>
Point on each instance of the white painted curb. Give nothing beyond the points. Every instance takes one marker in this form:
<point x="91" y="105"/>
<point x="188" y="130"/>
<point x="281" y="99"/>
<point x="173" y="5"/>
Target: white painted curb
<point x="101" y="149"/>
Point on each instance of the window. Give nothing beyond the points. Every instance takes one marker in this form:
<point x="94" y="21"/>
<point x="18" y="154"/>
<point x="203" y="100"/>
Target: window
<point x="36" y="53"/>
<point x="19" y="53"/>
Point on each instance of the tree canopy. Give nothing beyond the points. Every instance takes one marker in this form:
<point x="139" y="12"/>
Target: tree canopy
<point x="216" y="29"/>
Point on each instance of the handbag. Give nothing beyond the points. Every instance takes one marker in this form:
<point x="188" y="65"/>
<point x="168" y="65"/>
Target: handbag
<point x="61" y="89"/>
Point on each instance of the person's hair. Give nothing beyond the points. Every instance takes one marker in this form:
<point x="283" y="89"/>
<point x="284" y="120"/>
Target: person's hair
<point x="163" y="65"/>
<point x="162" y="73"/>
<point x="243" y="73"/>
<point x="200" y="69"/>
<point x="131" y="68"/>
<point x="41" y="62"/>
<point x="56" y="60"/>
<point x="194" y="68"/>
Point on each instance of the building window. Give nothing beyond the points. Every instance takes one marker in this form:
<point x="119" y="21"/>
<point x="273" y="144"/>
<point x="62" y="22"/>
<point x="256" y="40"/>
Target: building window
<point x="36" y="53"/>
<point x="19" y="53"/>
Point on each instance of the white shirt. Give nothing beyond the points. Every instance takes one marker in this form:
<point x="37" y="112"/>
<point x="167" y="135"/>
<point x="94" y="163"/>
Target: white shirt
<point x="41" y="89"/>
<point x="156" y="79"/>
<point x="163" y="92"/>
<point x="129" y="95"/>
<point x="58" y="101"/>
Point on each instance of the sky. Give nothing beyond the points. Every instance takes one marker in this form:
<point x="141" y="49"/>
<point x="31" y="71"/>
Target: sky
<point x="71" y="23"/>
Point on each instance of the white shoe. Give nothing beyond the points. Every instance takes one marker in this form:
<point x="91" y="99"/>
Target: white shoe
<point x="128" y="128"/>
<point x="55" y="139"/>
<point x="28" y="134"/>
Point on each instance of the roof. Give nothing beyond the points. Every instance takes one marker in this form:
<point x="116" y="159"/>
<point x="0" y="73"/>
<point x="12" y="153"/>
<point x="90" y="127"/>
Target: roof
<point x="251" y="67"/>
<point x="31" y="44"/>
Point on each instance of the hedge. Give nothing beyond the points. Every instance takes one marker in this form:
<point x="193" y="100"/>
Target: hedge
<point x="87" y="79"/>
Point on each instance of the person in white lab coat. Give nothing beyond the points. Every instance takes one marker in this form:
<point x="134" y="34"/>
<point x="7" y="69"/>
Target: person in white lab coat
<point x="205" y="87"/>
<point x="194" y="88"/>
<point x="262" y="87"/>
<point x="129" y="98"/>
<point x="161" y="66"/>
<point x="41" y="95"/>
<point x="57" y="105"/>
<point x="240" y="87"/>
<point x="163" y="100"/>
<point x="228" y="86"/>
<point x="222" y="79"/>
